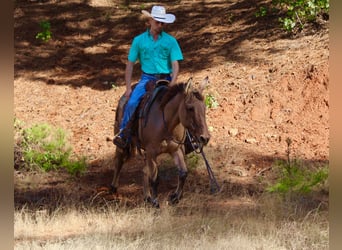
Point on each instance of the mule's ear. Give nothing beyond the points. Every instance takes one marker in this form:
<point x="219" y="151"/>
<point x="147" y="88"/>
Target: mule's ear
<point x="204" y="84"/>
<point x="188" y="85"/>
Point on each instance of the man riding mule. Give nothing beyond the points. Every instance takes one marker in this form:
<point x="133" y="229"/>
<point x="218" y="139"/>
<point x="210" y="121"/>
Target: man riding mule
<point x="168" y="113"/>
<point x="158" y="53"/>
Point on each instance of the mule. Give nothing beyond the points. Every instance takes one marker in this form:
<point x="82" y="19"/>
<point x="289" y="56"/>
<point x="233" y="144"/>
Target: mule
<point x="174" y="111"/>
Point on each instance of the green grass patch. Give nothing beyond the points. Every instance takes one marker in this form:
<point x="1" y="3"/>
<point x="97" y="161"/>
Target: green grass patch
<point x="45" y="147"/>
<point x="192" y="161"/>
<point x="210" y="101"/>
<point x="296" y="177"/>
<point x="45" y="34"/>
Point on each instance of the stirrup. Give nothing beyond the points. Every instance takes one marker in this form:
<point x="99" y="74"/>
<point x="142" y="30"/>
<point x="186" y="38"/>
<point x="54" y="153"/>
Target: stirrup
<point x="120" y="142"/>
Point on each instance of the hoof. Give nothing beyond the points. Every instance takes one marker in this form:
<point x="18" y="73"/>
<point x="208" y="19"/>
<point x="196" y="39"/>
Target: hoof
<point x="112" y="189"/>
<point x="173" y="198"/>
<point x="153" y="202"/>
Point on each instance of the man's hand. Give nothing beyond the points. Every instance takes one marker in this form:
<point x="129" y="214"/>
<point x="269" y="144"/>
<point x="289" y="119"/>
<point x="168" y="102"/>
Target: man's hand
<point x="128" y="78"/>
<point x="175" y="70"/>
<point x="128" y="92"/>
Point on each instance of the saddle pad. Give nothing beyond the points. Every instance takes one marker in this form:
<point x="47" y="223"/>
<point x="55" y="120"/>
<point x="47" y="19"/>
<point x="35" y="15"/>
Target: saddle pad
<point x="150" y="98"/>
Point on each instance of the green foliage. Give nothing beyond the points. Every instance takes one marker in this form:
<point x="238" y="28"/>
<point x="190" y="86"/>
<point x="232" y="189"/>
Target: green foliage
<point x="46" y="34"/>
<point x="288" y="23"/>
<point x="261" y="12"/>
<point x="142" y="6"/>
<point x="192" y="160"/>
<point x="296" y="12"/>
<point x="210" y="101"/>
<point x="75" y="167"/>
<point x="230" y="18"/>
<point x="45" y="147"/>
<point x="294" y="177"/>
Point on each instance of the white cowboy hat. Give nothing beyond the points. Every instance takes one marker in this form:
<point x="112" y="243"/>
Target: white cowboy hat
<point x="159" y="14"/>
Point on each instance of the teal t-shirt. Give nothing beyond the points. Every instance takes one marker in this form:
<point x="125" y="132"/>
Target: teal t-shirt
<point x="155" y="57"/>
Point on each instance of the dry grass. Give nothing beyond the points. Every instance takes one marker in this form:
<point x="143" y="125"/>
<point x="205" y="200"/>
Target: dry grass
<point x="265" y="227"/>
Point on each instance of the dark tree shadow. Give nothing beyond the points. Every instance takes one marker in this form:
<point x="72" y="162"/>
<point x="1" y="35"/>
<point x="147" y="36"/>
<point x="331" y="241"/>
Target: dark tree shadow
<point x="61" y="190"/>
<point x="89" y="45"/>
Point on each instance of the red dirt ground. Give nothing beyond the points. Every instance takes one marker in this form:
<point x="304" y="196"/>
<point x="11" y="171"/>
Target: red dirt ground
<point x="270" y="86"/>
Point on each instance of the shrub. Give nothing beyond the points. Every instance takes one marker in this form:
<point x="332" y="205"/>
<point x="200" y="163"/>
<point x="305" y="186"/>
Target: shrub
<point x="46" y="34"/>
<point x="45" y="147"/>
<point x="295" y="13"/>
<point x="210" y="101"/>
<point x="297" y="178"/>
<point x="192" y="160"/>
<point x="261" y="12"/>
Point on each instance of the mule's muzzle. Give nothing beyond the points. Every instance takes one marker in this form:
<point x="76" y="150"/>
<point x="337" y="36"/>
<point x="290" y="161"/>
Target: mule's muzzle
<point x="204" y="139"/>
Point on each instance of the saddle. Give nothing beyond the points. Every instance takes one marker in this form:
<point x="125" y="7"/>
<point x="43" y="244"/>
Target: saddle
<point x="152" y="91"/>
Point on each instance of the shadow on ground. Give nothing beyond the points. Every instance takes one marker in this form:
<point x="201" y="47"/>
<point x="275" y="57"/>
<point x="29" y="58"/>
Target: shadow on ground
<point x="56" y="190"/>
<point x="89" y="45"/>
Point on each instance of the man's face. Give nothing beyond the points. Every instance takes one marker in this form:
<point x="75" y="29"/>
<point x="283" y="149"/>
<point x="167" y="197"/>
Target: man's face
<point x="156" y="26"/>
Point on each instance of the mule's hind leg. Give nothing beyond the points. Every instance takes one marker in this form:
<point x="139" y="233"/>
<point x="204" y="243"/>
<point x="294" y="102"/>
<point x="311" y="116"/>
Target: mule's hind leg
<point x="119" y="158"/>
<point x="178" y="158"/>
<point x="151" y="180"/>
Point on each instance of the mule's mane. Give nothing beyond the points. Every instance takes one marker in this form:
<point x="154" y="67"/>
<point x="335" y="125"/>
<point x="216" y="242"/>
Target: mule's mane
<point x="176" y="89"/>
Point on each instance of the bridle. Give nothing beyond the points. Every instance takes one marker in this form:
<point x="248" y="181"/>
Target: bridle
<point x="195" y="144"/>
<point x="198" y="149"/>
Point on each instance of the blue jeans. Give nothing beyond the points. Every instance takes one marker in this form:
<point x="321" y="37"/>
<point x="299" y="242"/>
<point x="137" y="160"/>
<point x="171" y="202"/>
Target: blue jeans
<point x="135" y="98"/>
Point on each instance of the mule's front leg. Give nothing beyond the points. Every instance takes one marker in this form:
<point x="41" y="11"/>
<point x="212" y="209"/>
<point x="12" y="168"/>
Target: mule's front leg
<point x="151" y="181"/>
<point x="178" y="157"/>
<point x="119" y="158"/>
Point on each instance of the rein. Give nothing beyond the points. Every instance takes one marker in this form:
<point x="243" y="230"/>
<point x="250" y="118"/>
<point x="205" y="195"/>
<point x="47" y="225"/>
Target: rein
<point x="198" y="148"/>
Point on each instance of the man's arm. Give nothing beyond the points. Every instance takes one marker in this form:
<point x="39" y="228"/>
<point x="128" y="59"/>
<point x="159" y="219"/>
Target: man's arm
<point x="128" y="77"/>
<point x="175" y="71"/>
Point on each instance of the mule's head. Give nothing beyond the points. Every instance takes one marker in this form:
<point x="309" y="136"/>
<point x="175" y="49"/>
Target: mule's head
<point x="193" y="113"/>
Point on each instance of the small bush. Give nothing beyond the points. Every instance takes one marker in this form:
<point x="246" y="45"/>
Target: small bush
<point x="296" y="13"/>
<point x="45" y="34"/>
<point x="261" y="12"/>
<point x="210" y="101"/>
<point x="45" y="147"/>
<point x="192" y="160"/>
<point x="296" y="178"/>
